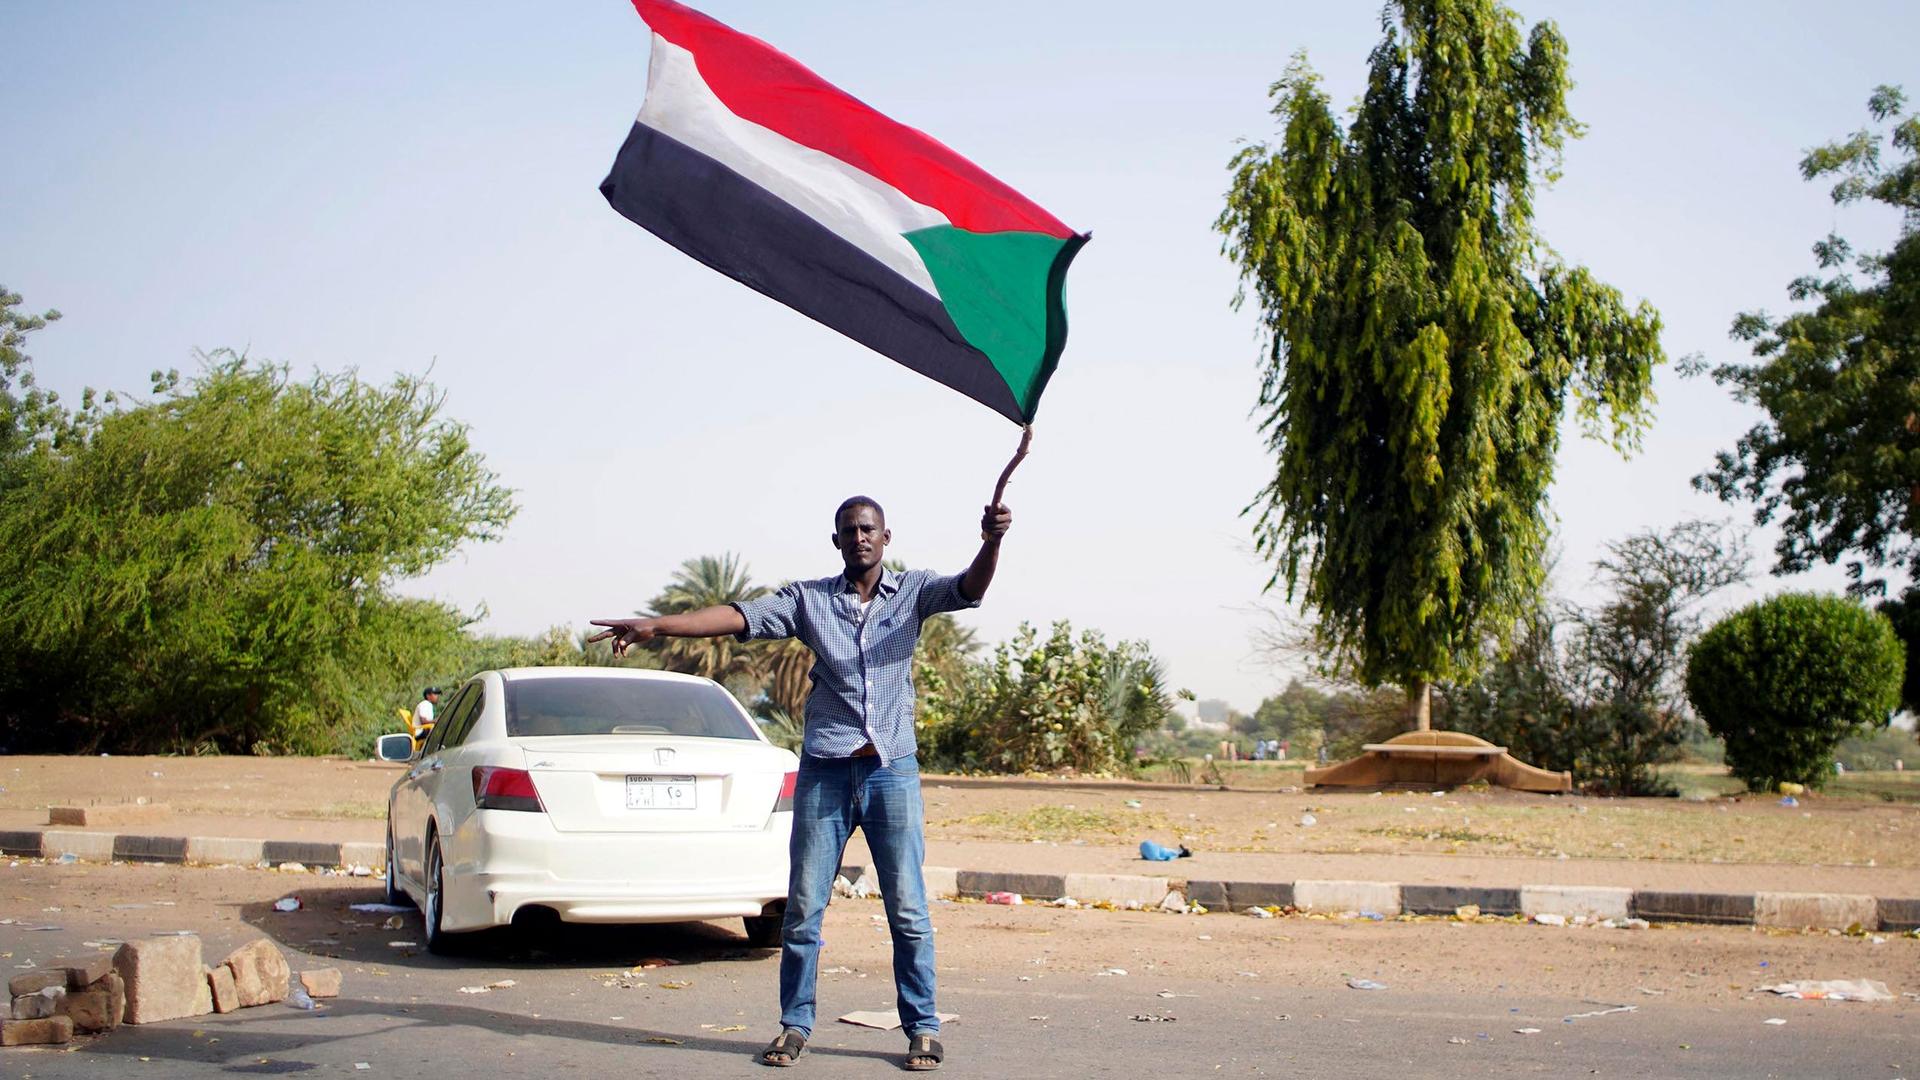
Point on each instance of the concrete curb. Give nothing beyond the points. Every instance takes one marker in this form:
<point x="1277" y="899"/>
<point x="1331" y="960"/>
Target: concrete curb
<point x="1816" y="911"/>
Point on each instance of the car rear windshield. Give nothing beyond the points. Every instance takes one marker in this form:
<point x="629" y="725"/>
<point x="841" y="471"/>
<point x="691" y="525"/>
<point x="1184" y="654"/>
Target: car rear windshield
<point x="607" y="706"/>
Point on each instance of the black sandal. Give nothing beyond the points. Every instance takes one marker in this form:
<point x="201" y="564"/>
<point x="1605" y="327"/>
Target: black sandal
<point x="923" y="1046"/>
<point x="790" y="1045"/>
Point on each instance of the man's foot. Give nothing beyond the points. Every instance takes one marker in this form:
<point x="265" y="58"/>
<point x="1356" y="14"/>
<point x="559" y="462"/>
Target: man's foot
<point x="924" y="1053"/>
<point x="785" y="1050"/>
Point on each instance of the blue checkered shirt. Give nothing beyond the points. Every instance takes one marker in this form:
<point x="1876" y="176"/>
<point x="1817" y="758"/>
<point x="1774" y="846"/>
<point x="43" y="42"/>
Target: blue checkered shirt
<point x="863" y="663"/>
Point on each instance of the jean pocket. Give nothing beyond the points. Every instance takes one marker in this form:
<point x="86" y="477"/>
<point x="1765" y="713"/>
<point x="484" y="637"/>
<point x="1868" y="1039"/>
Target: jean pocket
<point x="906" y="766"/>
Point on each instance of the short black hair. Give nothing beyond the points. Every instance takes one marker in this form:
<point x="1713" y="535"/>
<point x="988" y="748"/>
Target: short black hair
<point x="859" y="500"/>
<point x="429" y="691"/>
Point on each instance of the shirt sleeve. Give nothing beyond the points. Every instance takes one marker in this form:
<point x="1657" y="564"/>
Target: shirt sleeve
<point x="775" y="615"/>
<point x="939" y="594"/>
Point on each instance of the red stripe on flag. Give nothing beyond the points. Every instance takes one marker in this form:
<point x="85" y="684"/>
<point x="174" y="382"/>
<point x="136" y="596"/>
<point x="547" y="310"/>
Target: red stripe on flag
<point x="766" y="86"/>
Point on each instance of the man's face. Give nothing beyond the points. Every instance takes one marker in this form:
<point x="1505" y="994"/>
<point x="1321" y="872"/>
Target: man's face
<point x="862" y="537"/>
<point x="433" y="698"/>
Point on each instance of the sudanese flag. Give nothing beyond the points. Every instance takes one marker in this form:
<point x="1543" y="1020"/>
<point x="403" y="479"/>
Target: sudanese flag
<point x="754" y="165"/>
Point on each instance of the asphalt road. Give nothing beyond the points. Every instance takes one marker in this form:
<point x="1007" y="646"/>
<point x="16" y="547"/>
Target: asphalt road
<point x="1034" y="989"/>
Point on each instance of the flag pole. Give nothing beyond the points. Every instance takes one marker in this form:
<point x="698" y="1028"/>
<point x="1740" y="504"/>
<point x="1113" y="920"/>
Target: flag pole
<point x="1006" y="474"/>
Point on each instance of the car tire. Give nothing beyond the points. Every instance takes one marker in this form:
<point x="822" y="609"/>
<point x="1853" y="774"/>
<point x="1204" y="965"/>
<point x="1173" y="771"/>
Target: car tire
<point x="763" y="931"/>
<point x="439" y="942"/>
<point x="396" y="896"/>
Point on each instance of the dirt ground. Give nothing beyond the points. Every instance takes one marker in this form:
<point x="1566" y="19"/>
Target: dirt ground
<point x="980" y="942"/>
<point x="1819" y="831"/>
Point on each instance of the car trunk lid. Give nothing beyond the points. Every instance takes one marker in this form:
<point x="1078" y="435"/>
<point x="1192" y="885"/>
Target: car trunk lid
<point x="631" y="784"/>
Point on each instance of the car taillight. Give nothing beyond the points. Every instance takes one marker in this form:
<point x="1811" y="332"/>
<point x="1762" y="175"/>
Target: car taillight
<point x="785" y="801"/>
<point x="497" y="788"/>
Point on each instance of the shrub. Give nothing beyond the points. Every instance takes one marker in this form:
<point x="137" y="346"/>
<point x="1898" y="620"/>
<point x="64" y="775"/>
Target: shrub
<point x="1782" y="681"/>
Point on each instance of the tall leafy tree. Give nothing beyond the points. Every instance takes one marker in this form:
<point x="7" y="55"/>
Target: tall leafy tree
<point x="214" y="568"/>
<point x="1837" y="459"/>
<point x="1423" y="340"/>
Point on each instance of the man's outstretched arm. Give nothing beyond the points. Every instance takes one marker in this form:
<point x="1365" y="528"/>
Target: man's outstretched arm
<point x="706" y="622"/>
<point x="994" y="524"/>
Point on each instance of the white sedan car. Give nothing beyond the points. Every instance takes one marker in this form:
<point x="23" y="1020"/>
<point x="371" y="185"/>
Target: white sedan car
<point x="595" y="795"/>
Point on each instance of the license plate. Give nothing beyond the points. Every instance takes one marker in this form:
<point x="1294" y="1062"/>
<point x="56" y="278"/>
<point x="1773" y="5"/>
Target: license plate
<point x="660" y="793"/>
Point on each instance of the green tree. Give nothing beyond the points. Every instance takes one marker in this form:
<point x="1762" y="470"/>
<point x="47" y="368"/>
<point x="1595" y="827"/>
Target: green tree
<point x="29" y="415"/>
<point x="215" y="568"/>
<point x="1630" y="651"/>
<point x="707" y="581"/>
<point x="1423" y="340"/>
<point x="1785" y="679"/>
<point x="1837" y="460"/>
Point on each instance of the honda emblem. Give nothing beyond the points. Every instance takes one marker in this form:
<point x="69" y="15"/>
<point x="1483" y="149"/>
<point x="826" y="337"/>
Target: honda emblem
<point x="663" y="756"/>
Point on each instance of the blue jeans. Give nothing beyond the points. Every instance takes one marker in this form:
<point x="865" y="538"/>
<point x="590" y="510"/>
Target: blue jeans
<point x="831" y="796"/>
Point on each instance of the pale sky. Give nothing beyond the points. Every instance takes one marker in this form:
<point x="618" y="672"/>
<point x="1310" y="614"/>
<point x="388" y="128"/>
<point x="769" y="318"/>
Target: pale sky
<point x="405" y="187"/>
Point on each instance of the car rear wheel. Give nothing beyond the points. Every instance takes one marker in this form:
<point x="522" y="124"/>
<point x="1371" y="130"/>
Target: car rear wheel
<point x="439" y="942"/>
<point x="396" y="895"/>
<point x="763" y="931"/>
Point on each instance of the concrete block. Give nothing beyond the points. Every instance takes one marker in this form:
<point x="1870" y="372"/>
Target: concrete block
<point x="1828" y="911"/>
<point x="156" y="849"/>
<point x="1732" y="909"/>
<point x="260" y="973"/>
<point x="90" y="1010"/>
<point x="216" y="850"/>
<point x="83" y="972"/>
<point x="310" y="852"/>
<point x="34" y="981"/>
<point x="49" y="1032"/>
<point x="165" y="979"/>
<point x="116" y="990"/>
<point x="1571" y="901"/>
<point x="86" y="846"/>
<point x="40" y="1004"/>
<point x="1116" y="888"/>
<point x="1037" y="886"/>
<point x="321" y="982"/>
<point x="1332" y="897"/>
<point x="20" y="842"/>
<point x="226" y="995"/>
<point x="109" y="815"/>
<point x="1445" y="899"/>
<point x="1899" y="915"/>
<point x="374" y="855"/>
<point x="941" y="881"/>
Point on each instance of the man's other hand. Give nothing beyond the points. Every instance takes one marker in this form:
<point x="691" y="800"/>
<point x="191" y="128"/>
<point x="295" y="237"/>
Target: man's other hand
<point x="624" y="632"/>
<point x="995" y="522"/>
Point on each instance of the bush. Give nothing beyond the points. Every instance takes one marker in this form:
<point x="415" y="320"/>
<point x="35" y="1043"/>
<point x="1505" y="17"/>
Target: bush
<point x="1782" y="681"/>
<point x="1041" y="704"/>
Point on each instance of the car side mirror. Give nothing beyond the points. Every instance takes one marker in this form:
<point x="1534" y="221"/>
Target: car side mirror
<point x="397" y="747"/>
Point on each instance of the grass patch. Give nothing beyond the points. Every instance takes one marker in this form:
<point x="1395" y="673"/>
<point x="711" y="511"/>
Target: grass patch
<point x="1449" y="834"/>
<point x="358" y="810"/>
<point x="1893" y="787"/>
<point x="1055" y="823"/>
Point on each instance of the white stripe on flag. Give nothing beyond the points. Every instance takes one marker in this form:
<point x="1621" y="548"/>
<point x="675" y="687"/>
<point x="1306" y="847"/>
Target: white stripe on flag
<point x="856" y="206"/>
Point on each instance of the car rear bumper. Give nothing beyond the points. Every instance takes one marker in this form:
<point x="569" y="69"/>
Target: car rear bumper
<point x="499" y="862"/>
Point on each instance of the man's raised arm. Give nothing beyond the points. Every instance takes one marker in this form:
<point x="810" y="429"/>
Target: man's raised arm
<point x="994" y="524"/>
<point x="706" y="622"/>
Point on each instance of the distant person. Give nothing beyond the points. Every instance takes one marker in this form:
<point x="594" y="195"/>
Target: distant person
<point x="422" y="721"/>
<point x="858" y="760"/>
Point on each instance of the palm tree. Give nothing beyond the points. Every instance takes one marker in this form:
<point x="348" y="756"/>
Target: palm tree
<point x="706" y="581"/>
<point x="786" y="665"/>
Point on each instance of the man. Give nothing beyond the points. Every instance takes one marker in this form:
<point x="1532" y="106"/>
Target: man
<point x="422" y="722"/>
<point x="857" y="762"/>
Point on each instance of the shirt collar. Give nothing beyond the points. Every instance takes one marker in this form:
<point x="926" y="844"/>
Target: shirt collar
<point x="889" y="582"/>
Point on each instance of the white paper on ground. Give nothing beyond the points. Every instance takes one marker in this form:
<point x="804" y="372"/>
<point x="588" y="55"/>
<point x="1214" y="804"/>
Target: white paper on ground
<point x="888" y="1019"/>
<point x="1832" y="990"/>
